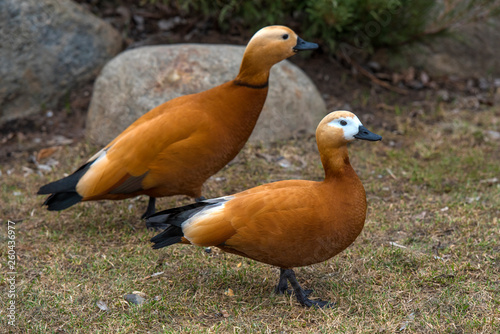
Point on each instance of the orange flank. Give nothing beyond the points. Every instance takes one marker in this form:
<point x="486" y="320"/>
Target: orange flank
<point x="174" y="148"/>
<point x="287" y="223"/>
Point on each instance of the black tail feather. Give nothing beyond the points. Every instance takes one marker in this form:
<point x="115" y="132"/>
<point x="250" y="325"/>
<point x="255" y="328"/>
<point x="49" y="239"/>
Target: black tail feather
<point x="170" y="236"/>
<point x="67" y="184"/>
<point x="61" y="201"/>
<point x="63" y="192"/>
<point x="172" y="220"/>
<point x="174" y="216"/>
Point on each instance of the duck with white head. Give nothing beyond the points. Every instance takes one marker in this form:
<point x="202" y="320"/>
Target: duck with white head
<point x="286" y="224"/>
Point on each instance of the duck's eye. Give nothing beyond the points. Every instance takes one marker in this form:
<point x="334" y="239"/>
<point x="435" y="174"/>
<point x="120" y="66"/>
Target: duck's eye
<point x="285" y="36"/>
<point x="343" y="123"/>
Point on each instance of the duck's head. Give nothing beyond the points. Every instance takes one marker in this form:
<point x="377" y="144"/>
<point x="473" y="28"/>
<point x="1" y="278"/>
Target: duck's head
<point x="269" y="46"/>
<point x="339" y="127"/>
<point x="278" y="43"/>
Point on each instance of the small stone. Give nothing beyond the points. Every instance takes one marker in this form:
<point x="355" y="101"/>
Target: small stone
<point x="494" y="135"/>
<point x="134" y="299"/>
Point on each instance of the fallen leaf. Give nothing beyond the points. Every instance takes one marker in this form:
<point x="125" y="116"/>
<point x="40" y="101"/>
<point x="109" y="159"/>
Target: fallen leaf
<point x="46" y="152"/>
<point x="102" y="305"/>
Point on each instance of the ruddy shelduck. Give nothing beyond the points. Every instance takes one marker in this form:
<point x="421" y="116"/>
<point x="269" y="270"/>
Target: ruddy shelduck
<point x="174" y="148"/>
<point x="286" y="224"/>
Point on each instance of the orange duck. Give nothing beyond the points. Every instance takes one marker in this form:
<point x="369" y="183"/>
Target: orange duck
<point x="174" y="148"/>
<point x="286" y="224"/>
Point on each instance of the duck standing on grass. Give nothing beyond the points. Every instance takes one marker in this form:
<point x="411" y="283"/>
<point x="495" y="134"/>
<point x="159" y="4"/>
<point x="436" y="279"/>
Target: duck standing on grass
<point x="174" y="148"/>
<point x="286" y="224"/>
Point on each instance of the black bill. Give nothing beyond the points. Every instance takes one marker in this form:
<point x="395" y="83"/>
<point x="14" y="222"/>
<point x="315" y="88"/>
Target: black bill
<point x="366" y="134"/>
<point x="303" y="45"/>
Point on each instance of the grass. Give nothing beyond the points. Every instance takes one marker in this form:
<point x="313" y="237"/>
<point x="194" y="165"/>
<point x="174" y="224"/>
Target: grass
<point x="427" y="261"/>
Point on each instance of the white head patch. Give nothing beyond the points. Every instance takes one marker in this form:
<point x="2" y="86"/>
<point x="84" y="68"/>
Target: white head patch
<point x="350" y="126"/>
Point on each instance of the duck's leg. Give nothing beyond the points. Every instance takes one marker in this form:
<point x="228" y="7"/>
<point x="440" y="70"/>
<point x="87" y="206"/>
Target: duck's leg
<point x="282" y="286"/>
<point x="300" y="294"/>
<point x="151" y="208"/>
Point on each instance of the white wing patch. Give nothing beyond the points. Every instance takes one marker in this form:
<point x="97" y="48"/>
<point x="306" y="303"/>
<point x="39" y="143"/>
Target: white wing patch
<point x="210" y="211"/>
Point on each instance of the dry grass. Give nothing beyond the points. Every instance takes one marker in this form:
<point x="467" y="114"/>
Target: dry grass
<point x="427" y="261"/>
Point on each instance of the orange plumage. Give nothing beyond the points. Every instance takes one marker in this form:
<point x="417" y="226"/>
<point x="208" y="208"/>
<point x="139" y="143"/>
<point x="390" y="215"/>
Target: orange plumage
<point x="174" y="148"/>
<point x="288" y="223"/>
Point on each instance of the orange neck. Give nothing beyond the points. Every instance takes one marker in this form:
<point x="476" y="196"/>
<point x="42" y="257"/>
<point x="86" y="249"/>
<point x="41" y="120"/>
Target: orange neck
<point x="254" y="71"/>
<point x="335" y="162"/>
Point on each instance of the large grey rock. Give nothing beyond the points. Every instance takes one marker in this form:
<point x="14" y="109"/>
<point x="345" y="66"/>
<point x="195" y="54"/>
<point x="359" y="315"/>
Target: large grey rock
<point x="47" y="48"/>
<point x="471" y="50"/>
<point x="138" y="80"/>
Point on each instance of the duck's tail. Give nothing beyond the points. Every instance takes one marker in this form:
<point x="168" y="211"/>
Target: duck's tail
<point x="171" y="220"/>
<point x="63" y="192"/>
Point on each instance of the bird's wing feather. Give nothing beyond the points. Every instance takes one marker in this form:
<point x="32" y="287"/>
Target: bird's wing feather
<point x="255" y="216"/>
<point x="132" y="153"/>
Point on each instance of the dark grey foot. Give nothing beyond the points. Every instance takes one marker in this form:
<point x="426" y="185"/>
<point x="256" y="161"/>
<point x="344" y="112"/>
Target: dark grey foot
<point x="151" y="208"/>
<point x="199" y="199"/>
<point x="300" y="294"/>
<point x="318" y="303"/>
<point x="282" y="287"/>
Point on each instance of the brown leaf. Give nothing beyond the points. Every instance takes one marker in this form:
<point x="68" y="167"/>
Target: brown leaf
<point x="46" y="152"/>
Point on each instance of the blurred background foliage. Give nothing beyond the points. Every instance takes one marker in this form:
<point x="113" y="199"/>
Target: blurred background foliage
<point x="362" y="24"/>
